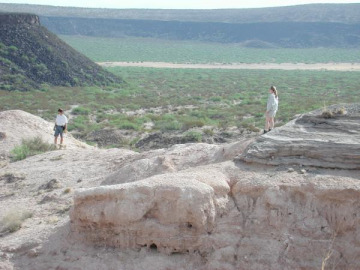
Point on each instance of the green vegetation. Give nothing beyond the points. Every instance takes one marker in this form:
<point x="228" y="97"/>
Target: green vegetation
<point x="175" y="51"/>
<point x="30" y="147"/>
<point x="183" y="99"/>
<point x="193" y="136"/>
<point x="31" y="57"/>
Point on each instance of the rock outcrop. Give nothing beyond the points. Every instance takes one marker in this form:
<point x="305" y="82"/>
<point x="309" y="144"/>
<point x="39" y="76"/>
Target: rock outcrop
<point x="188" y="207"/>
<point x="313" y="139"/>
<point x="172" y="212"/>
<point x="177" y="158"/>
<point x="19" y="18"/>
<point x="235" y="218"/>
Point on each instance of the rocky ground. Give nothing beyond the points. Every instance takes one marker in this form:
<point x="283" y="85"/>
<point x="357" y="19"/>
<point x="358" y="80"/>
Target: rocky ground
<point x="190" y="206"/>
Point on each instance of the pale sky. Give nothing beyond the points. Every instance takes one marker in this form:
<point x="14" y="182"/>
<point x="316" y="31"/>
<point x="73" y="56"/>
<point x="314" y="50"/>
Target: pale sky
<point x="175" y="4"/>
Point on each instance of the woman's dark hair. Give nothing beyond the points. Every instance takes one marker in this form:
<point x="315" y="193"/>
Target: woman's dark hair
<point x="60" y="110"/>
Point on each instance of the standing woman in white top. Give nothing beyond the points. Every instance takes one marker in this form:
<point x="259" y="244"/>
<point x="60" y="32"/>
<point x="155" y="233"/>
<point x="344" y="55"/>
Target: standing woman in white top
<point x="60" y="126"/>
<point x="271" y="109"/>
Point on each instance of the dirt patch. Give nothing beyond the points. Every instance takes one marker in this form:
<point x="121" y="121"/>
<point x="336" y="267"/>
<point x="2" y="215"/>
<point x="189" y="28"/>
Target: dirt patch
<point x="282" y="66"/>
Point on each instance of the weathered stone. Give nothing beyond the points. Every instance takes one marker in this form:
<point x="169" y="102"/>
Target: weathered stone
<point x="296" y="224"/>
<point x="312" y="140"/>
<point x="176" y="158"/>
<point x="172" y="212"/>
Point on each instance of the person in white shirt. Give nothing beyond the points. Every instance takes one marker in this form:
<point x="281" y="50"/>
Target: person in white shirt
<point x="60" y="126"/>
<point x="271" y="109"/>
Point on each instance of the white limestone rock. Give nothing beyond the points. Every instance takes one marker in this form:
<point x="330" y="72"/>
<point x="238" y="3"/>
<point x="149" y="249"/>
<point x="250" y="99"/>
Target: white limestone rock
<point x="174" y="212"/>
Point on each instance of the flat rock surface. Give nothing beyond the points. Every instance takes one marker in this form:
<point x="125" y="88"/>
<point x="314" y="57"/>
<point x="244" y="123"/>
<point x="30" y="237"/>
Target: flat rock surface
<point x="313" y="140"/>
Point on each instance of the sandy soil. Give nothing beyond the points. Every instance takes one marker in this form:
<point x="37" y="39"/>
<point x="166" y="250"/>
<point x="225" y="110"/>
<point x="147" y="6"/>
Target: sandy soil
<point x="282" y="66"/>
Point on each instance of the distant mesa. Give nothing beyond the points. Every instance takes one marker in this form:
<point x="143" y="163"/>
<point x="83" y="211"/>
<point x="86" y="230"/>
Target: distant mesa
<point x="31" y="55"/>
<point x="302" y="26"/>
<point x="19" y="18"/>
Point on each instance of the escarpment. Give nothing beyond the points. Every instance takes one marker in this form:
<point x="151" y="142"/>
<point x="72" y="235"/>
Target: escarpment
<point x="283" y="220"/>
<point x="235" y="214"/>
<point x="19" y="18"/>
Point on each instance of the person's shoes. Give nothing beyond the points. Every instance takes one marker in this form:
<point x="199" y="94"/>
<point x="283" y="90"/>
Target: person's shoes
<point x="265" y="131"/>
<point x="270" y="129"/>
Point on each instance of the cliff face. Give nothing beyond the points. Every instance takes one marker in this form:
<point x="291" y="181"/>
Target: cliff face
<point x="31" y="55"/>
<point x="19" y="18"/>
<point x="273" y="34"/>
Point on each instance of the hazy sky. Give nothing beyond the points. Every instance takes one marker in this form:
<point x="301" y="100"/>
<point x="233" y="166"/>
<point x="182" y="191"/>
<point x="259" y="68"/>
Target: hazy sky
<point x="175" y="4"/>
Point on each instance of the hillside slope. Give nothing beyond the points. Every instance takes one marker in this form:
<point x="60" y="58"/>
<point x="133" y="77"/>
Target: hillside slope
<point x="31" y="55"/>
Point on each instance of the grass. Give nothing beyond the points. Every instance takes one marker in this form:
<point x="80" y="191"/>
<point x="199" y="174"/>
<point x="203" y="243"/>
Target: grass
<point x="13" y="219"/>
<point x="131" y="49"/>
<point x="30" y="147"/>
<point x="182" y="99"/>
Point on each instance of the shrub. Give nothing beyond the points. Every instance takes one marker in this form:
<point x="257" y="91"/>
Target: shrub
<point x="80" y="111"/>
<point x="166" y="126"/>
<point x="30" y="147"/>
<point x="341" y="111"/>
<point x="208" y="131"/>
<point x="327" y="114"/>
<point x="126" y="124"/>
<point x="216" y="99"/>
<point x="11" y="177"/>
<point x="192" y="123"/>
<point x="249" y="124"/>
<point x="79" y="123"/>
<point x="193" y="136"/>
<point x="13" y="220"/>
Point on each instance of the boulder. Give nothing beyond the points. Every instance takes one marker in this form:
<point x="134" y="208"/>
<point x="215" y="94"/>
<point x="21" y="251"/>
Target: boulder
<point x="172" y="212"/>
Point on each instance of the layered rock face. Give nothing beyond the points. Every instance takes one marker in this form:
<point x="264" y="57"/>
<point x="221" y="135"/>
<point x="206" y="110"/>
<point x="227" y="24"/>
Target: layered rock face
<point x="236" y="215"/>
<point x="176" y="158"/>
<point x="235" y="218"/>
<point x="312" y="140"/>
<point x="172" y="212"/>
<point x="19" y="18"/>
